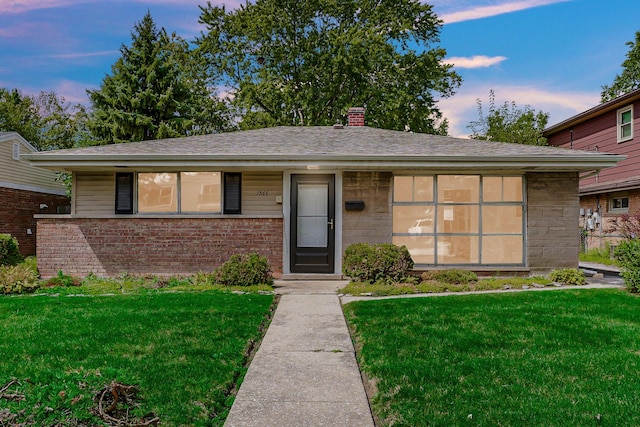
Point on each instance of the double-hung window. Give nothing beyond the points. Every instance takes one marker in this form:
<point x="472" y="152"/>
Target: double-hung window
<point x="625" y="123"/>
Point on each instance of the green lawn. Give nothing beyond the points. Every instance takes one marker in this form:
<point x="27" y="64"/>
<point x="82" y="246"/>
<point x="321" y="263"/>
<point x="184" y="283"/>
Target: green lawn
<point x="557" y="358"/>
<point x="185" y="352"/>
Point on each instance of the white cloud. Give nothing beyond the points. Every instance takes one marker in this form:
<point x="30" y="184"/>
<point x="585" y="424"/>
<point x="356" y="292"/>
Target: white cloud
<point x="477" y="61"/>
<point x="468" y="13"/>
<point x="84" y="54"/>
<point x="20" y="6"/>
<point x="73" y="92"/>
<point x="461" y="109"/>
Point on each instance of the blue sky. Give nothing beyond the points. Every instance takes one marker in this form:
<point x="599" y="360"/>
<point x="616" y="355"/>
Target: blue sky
<point x="554" y="55"/>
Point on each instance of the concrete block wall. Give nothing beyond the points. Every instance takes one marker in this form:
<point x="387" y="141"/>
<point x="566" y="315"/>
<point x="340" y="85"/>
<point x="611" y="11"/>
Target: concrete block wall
<point x="374" y="223"/>
<point x="156" y="246"/>
<point x="553" y="238"/>
<point x="17" y="208"/>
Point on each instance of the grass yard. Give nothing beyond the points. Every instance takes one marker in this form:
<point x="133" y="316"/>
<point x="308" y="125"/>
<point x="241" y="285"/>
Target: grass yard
<point x="184" y="351"/>
<point x="558" y="358"/>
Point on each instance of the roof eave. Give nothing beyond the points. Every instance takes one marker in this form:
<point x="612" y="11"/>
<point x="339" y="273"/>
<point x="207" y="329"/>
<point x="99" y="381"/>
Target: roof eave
<point x="550" y="163"/>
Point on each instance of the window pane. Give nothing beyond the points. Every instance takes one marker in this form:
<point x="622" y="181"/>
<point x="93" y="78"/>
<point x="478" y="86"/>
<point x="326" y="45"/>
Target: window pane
<point x="502" y="250"/>
<point x="402" y="188"/>
<point x="625" y="131"/>
<point x="423" y="189"/>
<point x="625" y="202"/>
<point x="312" y="215"/>
<point x="157" y="192"/>
<point x="458" y="250"/>
<point x="459" y="188"/>
<point x="413" y="219"/>
<point x="458" y="219"/>
<point x="625" y="117"/>
<point x="492" y="189"/>
<point x="200" y="191"/>
<point x="512" y="189"/>
<point x="420" y="248"/>
<point x="501" y="219"/>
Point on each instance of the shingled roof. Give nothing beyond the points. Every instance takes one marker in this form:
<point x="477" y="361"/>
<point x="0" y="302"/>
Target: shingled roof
<point x="323" y="147"/>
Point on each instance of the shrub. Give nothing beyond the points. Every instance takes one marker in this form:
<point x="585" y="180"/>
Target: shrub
<point x="626" y="224"/>
<point x="63" y="280"/>
<point x="628" y="255"/>
<point x="244" y="270"/>
<point x="18" y="279"/>
<point x="367" y="262"/>
<point x="9" y="253"/>
<point x="568" y="276"/>
<point x="453" y="276"/>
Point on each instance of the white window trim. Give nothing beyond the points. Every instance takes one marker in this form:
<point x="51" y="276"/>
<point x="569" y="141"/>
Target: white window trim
<point x="619" y="123"/>
<point x="618" y="196"/>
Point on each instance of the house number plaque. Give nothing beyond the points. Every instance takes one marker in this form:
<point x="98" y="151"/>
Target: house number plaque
<point x="262" y="192"/>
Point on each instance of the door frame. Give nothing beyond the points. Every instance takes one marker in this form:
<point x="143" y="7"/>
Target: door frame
<point x="286" y="210"/>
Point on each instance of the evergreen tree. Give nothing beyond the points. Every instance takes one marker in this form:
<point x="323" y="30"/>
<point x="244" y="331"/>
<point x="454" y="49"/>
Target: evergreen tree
<point x="157" y="89"/>
<point x="305" y="62"/>
<point x="629" y="79"/>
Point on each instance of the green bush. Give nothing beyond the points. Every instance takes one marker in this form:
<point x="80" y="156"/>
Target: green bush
<point x="453" y="276"/>
<point x="568" y="276"/>
<point x="244" y="270"/>
<point x="63" y="280"/>
<point x="18" y="279"/>
<point x="365" y="262"/>
<point x="628" y="255"/>
<point x="9" y="252"/>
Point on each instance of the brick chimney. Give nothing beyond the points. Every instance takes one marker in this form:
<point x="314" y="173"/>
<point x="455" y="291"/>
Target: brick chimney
<point x="356" y="116"/>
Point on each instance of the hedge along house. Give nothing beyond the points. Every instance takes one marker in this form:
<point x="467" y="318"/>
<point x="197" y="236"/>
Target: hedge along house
<point x="301" y="195"/>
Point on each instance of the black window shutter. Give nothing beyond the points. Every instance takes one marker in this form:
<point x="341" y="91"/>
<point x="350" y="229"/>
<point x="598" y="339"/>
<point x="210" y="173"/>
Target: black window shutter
<point x="124" y="193"/>
<point x="232" y="193"/>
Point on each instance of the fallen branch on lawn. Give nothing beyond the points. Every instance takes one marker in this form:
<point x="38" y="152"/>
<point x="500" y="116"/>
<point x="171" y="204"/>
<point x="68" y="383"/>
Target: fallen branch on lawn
<point x="121" y="394"/>
<point x="10" y="396"/>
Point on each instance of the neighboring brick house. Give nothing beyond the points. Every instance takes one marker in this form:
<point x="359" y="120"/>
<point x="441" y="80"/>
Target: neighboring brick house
<point x="25" y="190"/>
<point x="611" y="127"/>
<point x="301" y="195"/>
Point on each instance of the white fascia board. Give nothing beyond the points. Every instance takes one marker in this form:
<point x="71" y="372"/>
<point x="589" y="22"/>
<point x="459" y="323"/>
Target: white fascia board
<point x="565" y="163"/>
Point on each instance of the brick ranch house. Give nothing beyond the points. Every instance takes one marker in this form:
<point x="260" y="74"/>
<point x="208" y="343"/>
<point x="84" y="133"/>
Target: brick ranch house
<point x="25" y="191"/>
<point x="605" y="194"/>
<point x="301" y="195"/>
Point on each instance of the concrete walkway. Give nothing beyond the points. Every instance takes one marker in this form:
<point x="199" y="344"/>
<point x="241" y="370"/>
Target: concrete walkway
<point x="305" y="372"/>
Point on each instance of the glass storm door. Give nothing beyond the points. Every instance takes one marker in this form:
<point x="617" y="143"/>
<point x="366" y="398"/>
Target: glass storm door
<point x="312" y="223"/>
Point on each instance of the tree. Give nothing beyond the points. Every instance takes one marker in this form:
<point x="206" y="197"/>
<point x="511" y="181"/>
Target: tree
<point x="629" y="79"/>
<point x="157" y="89"/>
<point x="508" y="123"/>
<point x="45" y="120"/>
<point x="293" y="62"/>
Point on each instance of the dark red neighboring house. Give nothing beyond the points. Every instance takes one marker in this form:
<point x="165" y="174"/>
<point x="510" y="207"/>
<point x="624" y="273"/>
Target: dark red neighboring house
<point x="611" y="127"/>
<point x="25" y="191"/>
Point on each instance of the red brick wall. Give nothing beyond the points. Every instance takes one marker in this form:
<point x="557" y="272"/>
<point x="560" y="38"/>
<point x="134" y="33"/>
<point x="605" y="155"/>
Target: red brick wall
<point x="158" y="246"/>
<point x="17" y="208"/>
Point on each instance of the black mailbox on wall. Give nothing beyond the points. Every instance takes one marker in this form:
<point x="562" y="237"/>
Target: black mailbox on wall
<point x="354" y="205"/>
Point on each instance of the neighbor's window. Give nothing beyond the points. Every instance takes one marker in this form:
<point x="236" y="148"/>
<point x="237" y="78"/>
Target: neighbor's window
<point x="473" y="219"/>
<point x="619" y="203"/>
<point x="184" y="192"/>
<point x="625" y="123"/>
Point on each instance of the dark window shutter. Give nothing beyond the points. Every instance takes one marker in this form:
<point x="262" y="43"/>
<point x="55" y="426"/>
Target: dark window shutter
<point x="124" y="193"/>
<point x="232" y="193"/>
